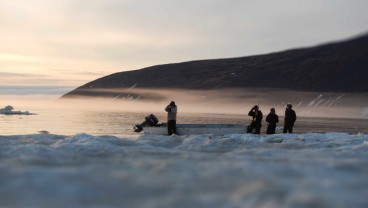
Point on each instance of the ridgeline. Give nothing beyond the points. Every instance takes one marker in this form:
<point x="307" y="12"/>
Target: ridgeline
<point x="335" y="67"/>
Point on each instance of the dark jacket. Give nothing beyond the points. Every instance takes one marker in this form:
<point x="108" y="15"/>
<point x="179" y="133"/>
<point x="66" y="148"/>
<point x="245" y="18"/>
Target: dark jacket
<point x="272" y="119"/>
<point x="257" y="117"/>
<point x="290" y="117"/>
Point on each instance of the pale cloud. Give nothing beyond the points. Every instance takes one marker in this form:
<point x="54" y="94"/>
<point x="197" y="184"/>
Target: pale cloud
<point x="10" y="79"/>
<point x="53" y="77"/>
<point x="12" y="75"/>
<point x="34" y="89"/>
<point x="18" y="58"/>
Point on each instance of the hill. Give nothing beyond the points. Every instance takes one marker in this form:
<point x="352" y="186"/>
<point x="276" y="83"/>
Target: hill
<point x="334" y="67"/>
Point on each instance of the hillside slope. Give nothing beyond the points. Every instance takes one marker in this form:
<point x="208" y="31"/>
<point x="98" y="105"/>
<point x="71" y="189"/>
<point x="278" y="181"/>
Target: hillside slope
<point x="334" y="67"/>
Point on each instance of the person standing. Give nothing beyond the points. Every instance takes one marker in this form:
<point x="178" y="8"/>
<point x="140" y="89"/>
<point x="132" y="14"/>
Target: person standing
<point x="256" y="124"/>
<point x="272" y="119"/>
<point x="290" y="118"/>
<point x="171" y="110"/>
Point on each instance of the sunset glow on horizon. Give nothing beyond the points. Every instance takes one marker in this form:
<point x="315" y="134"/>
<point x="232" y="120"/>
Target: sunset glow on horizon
<point x="68" y="43"/>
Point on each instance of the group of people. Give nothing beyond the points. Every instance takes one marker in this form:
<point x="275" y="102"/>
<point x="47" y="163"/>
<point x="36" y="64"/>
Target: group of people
<point x="272" y="119"/>
<point x="255" y="126"/>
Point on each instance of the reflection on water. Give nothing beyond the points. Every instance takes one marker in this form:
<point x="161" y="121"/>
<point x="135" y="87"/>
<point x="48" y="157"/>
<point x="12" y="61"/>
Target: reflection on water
<point x="121" y="123"/>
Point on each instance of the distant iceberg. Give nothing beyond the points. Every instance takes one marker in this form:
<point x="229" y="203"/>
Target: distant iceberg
<point x="8" y="110"/>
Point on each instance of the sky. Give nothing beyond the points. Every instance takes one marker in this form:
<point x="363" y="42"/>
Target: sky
<point x="53" y="46"/>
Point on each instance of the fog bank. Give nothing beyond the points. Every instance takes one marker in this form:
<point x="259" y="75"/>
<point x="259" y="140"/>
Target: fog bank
<point x="229" y="101"/>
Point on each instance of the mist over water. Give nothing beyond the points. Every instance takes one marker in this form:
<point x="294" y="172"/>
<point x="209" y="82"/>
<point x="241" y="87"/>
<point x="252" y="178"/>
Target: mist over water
<point x="235" y="101"/>
<point x="317" y="112"/>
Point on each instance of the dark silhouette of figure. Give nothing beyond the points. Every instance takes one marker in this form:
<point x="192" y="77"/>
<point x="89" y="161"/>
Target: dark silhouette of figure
<point x="290" y="118"/>
<point x="256" y="124"/>
<point x="171" y="110"/>
<point x="272" y="119"/>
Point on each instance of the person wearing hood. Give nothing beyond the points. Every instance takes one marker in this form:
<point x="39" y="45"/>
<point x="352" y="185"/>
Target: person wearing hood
<point x="272" y="119"/>
<point x="171" y="110"/>
<point x="290" y="118"/>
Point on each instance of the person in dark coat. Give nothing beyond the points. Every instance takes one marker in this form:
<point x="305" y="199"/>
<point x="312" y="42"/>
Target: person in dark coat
<point x="256" y="124"/>
<point x="171" y="110"/>
<point x="272" y="119"/>
<point x="290" y="118"/>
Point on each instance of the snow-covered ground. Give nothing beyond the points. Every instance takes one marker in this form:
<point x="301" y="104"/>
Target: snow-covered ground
<point x="238" y="170"/>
